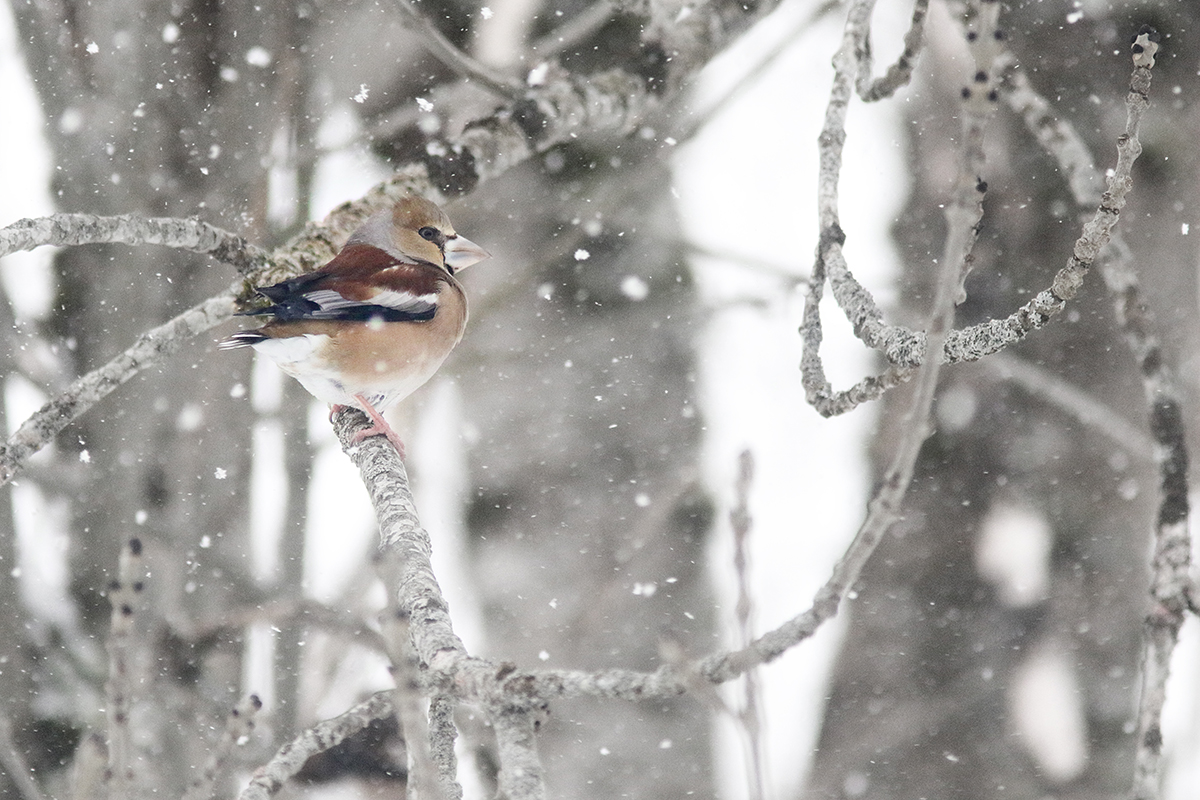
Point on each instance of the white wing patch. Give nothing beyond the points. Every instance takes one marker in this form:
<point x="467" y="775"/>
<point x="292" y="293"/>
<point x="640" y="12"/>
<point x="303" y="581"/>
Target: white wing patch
<point x="329" y="300"/>
<point x="405" y="301"/>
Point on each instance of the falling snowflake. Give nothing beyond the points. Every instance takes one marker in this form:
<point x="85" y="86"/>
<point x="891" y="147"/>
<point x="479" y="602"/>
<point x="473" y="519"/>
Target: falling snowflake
<point x="537" y="75"/>
<point x="219" y="473"/>
<point x="363" y="91"/>
<point x="634" y="288"/>
<point x="582" y="255"/>
<point x="486" y="12"/>
<point x="424" y="104"/>
<point x="258" y="56"/>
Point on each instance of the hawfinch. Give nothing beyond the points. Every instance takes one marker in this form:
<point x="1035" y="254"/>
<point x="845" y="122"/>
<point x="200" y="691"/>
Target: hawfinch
<point x="374" y="324"/>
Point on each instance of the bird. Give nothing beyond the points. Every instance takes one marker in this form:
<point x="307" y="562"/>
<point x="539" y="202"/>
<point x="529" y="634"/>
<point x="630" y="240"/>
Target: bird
<point x="375" y="323"/>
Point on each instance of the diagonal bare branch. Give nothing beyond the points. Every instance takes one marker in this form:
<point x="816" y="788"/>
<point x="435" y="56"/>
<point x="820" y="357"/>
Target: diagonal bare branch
<point x="445" y="51"/>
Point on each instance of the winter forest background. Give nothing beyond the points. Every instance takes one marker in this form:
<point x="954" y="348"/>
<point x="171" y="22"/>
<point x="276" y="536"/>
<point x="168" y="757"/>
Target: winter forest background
<point x="623" y="482"/>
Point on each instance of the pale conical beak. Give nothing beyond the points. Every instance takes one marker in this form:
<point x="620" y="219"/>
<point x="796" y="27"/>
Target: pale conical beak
<point x="461" y="252"/>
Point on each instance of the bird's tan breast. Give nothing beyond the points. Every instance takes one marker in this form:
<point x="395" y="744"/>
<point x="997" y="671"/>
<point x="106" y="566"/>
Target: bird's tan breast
<point x="376" y="352"/>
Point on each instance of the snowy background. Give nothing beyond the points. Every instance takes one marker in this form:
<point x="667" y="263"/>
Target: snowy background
<point x="758" y="152"/>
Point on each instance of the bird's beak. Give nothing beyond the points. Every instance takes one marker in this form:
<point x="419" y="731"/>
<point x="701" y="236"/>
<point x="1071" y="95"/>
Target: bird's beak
<point x="461" y="252"/>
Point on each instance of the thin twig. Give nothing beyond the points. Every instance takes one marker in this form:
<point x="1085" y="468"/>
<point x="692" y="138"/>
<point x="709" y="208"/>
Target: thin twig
<point x="238" y="725"/>
<point x="1080" y="405"/>
<point x="831" y="142"/>
<point x="123" y="594"/>
<point x="151" y="348"/>
<point x="903" y="348"/>
<point x="1170" y="584"/>
<point x="750" y="714"/>
<point x="962" y="215"/>
<point x="900" y="72"/>
<point x="290" y="759"/>
<point x="445" y="51"/>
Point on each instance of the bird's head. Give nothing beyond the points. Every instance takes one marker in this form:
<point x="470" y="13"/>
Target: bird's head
<point x="417" y="230"/>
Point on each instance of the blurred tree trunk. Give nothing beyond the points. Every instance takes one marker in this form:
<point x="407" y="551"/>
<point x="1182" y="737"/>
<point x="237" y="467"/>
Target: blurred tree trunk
<point x="588" y="538"/>
<point x="161" y="109"/>
<point x="927" y="696"/>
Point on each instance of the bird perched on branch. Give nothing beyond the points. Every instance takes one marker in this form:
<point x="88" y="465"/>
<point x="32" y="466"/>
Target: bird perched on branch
<point x="374" y="324"/>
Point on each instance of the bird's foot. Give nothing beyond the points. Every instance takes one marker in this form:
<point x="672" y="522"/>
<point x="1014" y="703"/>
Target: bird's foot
<point x="379" y="427"/>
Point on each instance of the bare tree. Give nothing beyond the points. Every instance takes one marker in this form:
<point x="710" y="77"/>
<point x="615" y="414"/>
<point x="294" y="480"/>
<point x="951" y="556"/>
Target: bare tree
<point x="585" y="514"/>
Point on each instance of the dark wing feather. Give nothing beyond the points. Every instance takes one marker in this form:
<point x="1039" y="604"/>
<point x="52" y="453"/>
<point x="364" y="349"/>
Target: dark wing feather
<point x="319" y="296"/>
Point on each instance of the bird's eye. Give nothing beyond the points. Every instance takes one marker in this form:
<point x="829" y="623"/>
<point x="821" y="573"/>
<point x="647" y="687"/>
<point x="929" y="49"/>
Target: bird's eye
<point x="429" y="233"/>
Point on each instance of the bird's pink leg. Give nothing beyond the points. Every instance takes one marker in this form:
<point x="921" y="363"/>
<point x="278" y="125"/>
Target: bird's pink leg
<point x="379" y="427"/>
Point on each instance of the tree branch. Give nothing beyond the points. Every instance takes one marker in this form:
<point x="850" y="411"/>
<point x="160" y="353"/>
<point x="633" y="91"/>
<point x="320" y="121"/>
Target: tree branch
<point x="903" y="348"/>
<point x="900" y="72"/>
<point x="290" y="759"/>
<point x="445" y="51"/>
<point x="1170" y="584"/>
<point x="151" y="348"/>
<point x="123" y="595"/>
<point x="238" y="725"/>
<point x="182" y="234"/>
